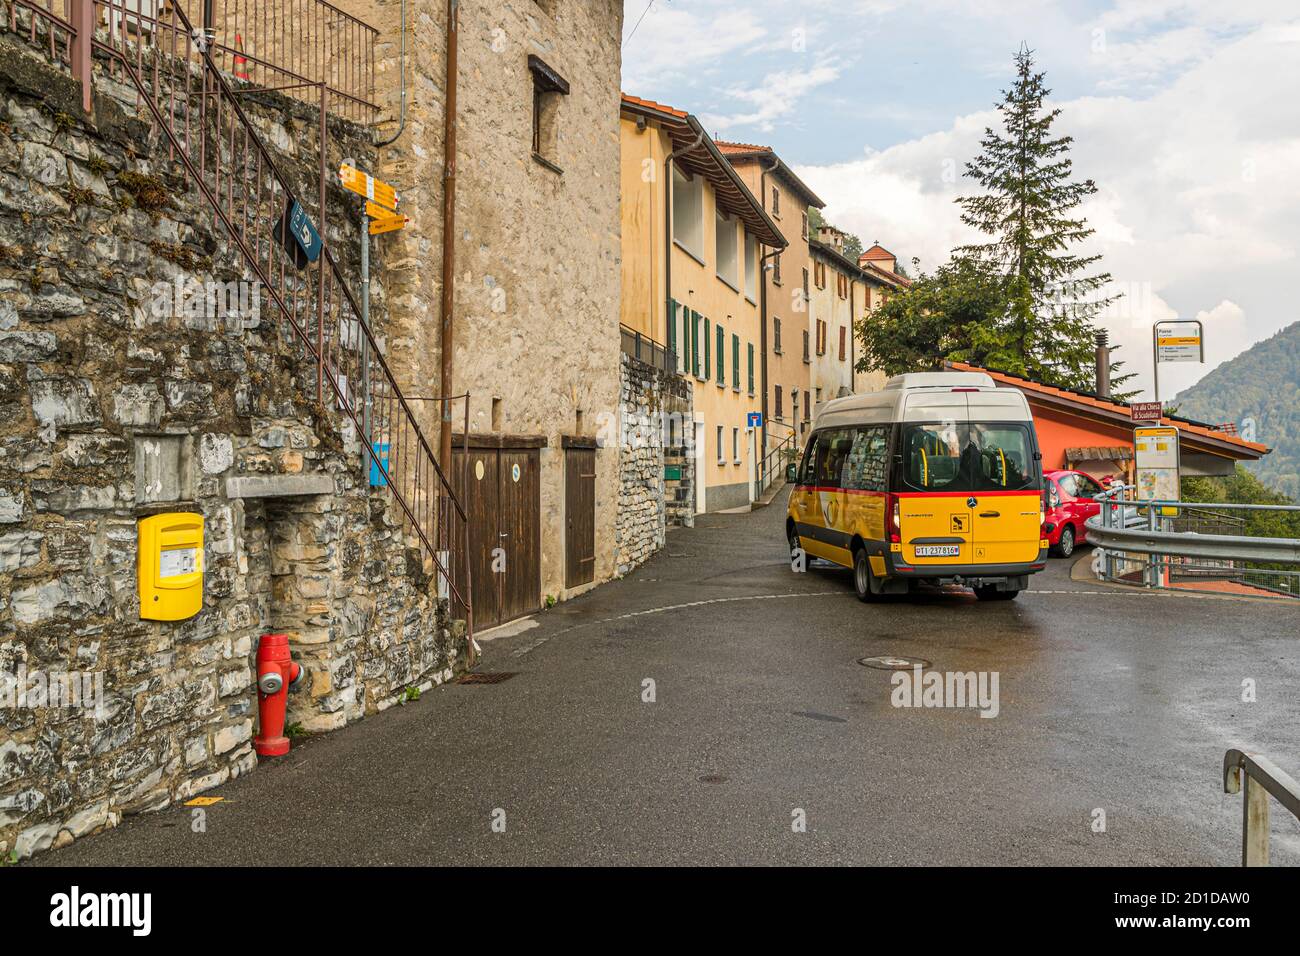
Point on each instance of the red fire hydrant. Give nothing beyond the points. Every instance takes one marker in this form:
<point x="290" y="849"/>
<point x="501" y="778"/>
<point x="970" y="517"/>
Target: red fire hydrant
<point x="277" y="674"/>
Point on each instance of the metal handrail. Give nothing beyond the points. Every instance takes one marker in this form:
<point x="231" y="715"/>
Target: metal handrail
<point x="764" y="479"/>
<point x="1263" y="777"/>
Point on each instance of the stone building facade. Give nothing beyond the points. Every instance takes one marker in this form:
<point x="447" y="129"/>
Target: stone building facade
<point x="536" y="247"/>
<point x="119" y="401"/>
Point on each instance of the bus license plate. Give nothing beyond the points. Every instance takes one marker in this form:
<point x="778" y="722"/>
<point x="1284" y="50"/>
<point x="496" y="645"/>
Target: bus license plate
<point x="938" y="551"/>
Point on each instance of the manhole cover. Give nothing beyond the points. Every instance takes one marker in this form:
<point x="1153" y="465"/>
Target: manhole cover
<point x="890" y="662"/>
<point x="485" y="678"/>
<point x="712" y="778"/>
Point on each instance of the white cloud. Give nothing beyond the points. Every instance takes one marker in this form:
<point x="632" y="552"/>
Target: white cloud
<point x="673" y="41"/>
<point x="1198" y="213"/>
<point x="777" y="96"/>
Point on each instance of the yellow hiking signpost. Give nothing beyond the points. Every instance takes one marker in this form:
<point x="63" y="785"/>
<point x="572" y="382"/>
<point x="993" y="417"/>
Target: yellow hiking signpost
<point x="387" y="224"/>
<point x="366" y="185"/>
<point x="381" y="200"/>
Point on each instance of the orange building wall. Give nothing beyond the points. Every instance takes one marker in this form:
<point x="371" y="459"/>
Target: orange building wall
<point x="1057" y="432"/>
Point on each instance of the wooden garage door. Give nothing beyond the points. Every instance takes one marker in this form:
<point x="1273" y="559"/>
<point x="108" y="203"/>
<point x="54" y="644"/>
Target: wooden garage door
<point x="502" y="500"/>
<point x="519" y="531"/>
<point x="579" y="516"/>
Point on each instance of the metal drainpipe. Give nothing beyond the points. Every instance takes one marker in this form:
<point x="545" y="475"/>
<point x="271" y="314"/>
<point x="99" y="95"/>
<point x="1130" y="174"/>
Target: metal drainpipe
<point x="448" y="228"/>
<point x="402" y="124"/>
<point x="364" y="345"/>
<point x="762" y="306"/>
<point x="853" y="311"/>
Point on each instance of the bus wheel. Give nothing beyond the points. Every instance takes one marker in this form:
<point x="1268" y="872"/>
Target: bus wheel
<point x="990" y="592"/>
<point x="864" y="581"/>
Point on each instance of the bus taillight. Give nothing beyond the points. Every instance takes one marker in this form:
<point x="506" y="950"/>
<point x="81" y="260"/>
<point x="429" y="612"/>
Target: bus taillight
<point x="895" y="524"/>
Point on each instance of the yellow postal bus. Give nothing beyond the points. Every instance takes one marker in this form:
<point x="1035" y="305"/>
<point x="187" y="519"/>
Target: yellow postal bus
<point x="937" y="477"/>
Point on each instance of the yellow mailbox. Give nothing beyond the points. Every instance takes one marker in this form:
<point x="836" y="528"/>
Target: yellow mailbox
<point x="171" y="566"/>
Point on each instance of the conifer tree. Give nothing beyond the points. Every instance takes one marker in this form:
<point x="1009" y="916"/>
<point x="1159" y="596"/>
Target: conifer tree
<point x="1028" y="209"/>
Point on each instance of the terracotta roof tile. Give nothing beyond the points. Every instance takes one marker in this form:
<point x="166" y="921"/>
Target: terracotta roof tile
<point x="1107" y="405"/>
<point x="652" y="105"/>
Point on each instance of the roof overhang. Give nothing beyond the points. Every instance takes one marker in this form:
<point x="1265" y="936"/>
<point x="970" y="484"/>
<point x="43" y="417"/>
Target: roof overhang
<point x="1194" y="436"/>
<point x="1190" y="439"/>
<point x="774" y="164"/>
<point x="695" y="153"/>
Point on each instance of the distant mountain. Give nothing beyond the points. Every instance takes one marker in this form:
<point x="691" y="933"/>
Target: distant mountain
<point x="1258" y="389"/>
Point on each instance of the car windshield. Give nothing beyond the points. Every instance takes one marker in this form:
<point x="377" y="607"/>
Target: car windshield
<point x="953" y="456"/>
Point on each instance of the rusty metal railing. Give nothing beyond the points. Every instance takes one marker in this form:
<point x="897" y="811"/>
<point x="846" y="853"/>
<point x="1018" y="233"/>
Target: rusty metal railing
<point x="208" y="133"/>
<point x="291" y="46"/>
<point x="1263" y="777"/>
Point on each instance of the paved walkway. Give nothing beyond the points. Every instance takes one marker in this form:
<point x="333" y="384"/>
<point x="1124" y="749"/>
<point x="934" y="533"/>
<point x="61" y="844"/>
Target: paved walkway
<point x="1109" y="700"/>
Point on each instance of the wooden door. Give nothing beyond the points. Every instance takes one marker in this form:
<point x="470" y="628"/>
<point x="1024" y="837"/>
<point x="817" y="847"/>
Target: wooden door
<point x="480" y="499"/>
<point x="579" y="516"/>
<point x="519" y="530"/>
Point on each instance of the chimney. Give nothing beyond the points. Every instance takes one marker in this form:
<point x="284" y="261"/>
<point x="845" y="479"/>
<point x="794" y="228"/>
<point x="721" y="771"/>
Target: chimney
<point x="1103" y="364"/>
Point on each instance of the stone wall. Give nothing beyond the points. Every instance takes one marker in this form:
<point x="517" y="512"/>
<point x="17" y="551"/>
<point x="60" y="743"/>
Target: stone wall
<point x="655" y="426"/>
<point x="112" y="409"/>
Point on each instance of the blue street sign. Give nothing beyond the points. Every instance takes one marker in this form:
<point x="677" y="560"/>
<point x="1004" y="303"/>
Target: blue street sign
<point x="755" y="419"/>
<point x="304" y="232"/>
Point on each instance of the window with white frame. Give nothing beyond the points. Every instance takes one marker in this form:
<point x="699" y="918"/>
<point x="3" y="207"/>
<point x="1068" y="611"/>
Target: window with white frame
<point x="727" y="249"/>
<point x="688" y="212"/>
<point x="735" y="445"/>
<point x="722" y="455"/>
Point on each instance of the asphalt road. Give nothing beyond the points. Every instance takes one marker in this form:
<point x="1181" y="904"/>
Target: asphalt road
<point x="1108" y="700"/>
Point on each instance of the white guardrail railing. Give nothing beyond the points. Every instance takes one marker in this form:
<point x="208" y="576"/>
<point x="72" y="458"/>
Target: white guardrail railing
<point x="1263" y="777"/>
<point x="1152" y="542"/>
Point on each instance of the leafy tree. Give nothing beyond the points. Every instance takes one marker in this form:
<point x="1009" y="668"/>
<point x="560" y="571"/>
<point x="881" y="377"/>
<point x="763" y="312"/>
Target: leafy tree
<point x="953" y="313"/>
<point x="1242" y="487"/>
<point x="1028" y="211"/>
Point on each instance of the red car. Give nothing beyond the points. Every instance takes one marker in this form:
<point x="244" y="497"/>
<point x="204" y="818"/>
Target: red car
<point x="1069" y="504"/>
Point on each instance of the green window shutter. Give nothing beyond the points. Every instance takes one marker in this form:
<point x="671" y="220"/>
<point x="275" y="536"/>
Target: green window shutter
<point x="751" y="368"/>
<point x="672" y="325"/>
<point x="722" y="356"/>
<point x="735" y="362"/>
<point x="707" y="364"/>
<point x="695" y="343"/>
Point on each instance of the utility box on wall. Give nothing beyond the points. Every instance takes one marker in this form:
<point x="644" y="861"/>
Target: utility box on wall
<point x="170" y="566"/>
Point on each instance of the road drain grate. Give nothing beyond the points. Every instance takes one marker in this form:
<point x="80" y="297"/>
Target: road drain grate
<point x="892" y="662"/>
<point x="486" y="678"/>
<point x="712" y="778"/>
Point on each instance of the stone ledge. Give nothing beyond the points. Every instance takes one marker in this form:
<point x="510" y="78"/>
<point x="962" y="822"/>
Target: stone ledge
<point x="279" y="486"/>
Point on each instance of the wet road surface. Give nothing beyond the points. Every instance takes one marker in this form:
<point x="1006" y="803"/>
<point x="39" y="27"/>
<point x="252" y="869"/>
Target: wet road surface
<point x="1109" y="700"/>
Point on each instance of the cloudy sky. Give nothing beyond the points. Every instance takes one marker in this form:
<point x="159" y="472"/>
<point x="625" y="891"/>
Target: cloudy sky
<point x="1186" y="113"/>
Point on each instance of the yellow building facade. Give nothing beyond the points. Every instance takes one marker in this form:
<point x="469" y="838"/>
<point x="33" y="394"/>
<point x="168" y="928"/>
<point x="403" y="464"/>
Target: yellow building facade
<point x="694" y="239"/>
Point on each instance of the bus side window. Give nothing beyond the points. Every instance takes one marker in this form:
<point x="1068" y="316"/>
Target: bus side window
<point x="806" y="466"/>
<point x="833" y="451"/>
<point x="864" y="469"/>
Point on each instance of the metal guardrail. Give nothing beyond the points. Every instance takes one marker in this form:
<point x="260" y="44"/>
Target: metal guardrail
<point x="1263" y="777"/>
<point x="645" y="349"/>
<point x="292" y="46"/>
<point x="1163" y="539"/>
